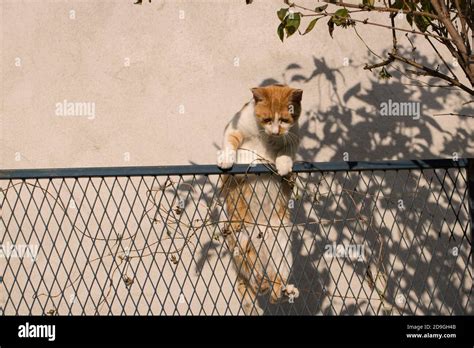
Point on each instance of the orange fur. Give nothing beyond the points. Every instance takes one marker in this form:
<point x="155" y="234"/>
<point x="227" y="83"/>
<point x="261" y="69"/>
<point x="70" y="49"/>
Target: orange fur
<point x="255" y="275"/>
<point x="277" y="101"/>
<point x="258" y="217"/>
<point x="235" y="139"/>
<point x="237" y="192"/>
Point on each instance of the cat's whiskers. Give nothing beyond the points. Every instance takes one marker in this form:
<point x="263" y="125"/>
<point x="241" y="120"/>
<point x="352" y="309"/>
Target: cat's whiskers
<point x="287" y="141"/>
<point x="293" y="139"/>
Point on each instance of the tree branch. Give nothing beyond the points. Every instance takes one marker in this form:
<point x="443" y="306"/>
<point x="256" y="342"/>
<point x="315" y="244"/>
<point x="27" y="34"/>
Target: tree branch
<point x="432" y="72"/>
<point x="365" y="21"/>
<point x="379" y="65"/>
<point x="444" y="18"/>
<point x="442" y="59"/>
<point x="371" y="8"/>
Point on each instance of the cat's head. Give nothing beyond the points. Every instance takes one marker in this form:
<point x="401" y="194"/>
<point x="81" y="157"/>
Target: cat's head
<point x="277" y="108"/>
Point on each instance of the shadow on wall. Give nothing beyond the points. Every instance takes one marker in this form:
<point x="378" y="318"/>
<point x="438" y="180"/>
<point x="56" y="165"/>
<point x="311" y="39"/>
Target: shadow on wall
<point x="413" y="243"/>
<point x="411" y="227"/>
<point x="408" y="222"/>
<point x="363" y="133"/>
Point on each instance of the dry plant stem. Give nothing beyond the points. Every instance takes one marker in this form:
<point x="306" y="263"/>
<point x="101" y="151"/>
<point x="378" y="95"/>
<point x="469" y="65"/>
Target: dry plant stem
<point x="371" y="8"/>
<point x="444" y="18"/>
<point x="415" y="32"/>
<point x="432" y="72"/>
<point x="442" y="24"/>
<point x="442" y="59"/>
<point x="378" y="65"/>
<point x="454" y="114"/>
<point x="462" y="18"/>
<point x="419" y="83"/>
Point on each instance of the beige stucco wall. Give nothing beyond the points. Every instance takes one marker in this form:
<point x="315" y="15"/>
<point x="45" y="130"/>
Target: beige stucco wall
<point x="189" y="65"/>
<point x="185" y="80"/>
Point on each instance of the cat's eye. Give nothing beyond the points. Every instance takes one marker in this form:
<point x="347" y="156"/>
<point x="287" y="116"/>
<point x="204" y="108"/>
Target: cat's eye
<point x="285" y="120"/>
<point x="267" y="120"/>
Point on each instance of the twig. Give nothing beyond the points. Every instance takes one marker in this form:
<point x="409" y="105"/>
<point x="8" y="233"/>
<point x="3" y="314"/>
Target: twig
<point x="371" y="8"/>
<point x="433" y="73"/>
<point x="442" y="59"/>
<point x="453" y="114"/>
<point x="378" y="65"/>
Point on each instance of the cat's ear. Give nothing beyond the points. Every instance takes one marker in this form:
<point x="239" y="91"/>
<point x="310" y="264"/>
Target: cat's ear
<point x="257" y="94"/>
<point x="296" y="95"/>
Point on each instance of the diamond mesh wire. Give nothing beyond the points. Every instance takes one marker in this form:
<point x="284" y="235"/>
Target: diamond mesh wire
<point x="370" y="242"/>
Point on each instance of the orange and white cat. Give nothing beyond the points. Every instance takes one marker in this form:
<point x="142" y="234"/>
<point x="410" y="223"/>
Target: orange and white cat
<point x="258" y="235"/>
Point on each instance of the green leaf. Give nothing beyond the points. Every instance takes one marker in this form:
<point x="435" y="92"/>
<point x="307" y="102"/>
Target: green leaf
<point x="343" y="13"/>
<point x="310" y="26"/>
<point x="410" y="19"/>
<point x="321" y="8"/>
<point x="280" y="31"/>
<point x="398" y="4"/>
<point x="293" y="21"/>
<point x="340" y="17"/>
<point x="427" y="7"/>
<point x="282" y="13"/>
<point x="384" y="74"/>
<point x="422" y="23"/>
<point x="369" y="3"/>
<point x="405" y="5"/>
<point x="331" y="26"/>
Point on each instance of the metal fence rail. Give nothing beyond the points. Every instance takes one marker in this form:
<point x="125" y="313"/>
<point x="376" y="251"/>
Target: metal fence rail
<point x="380" y="238"/>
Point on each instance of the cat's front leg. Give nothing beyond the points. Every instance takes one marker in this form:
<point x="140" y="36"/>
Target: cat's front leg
<point x="227" y="156"/>
<point x="284" y="164"/>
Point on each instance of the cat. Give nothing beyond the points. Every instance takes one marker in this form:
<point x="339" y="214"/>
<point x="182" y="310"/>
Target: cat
<point x="265" y="130"/>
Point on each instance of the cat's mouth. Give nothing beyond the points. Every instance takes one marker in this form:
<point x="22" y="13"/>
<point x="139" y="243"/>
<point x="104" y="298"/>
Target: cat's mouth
<point x="281" y="135"/>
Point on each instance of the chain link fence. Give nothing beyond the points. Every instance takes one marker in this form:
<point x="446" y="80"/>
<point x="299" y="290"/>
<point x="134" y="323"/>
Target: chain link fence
<point x="368" y="238"/>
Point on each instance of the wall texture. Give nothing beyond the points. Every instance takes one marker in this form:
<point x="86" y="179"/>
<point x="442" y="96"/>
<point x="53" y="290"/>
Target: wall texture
<point x="159" y="82"/>
<point x="165" y="77"/>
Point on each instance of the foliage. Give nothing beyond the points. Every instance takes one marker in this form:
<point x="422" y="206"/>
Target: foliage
<point x="442" y="23"/>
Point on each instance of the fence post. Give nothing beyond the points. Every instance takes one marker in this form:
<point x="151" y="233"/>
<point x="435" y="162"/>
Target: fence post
<point x="470" y="191"/>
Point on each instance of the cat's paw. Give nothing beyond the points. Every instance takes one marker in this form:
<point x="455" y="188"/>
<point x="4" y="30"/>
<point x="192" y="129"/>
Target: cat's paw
<point x="253" y="309"/>
<point x="226" y="159"/>
<point x="225" y="165"/>
<point x="284" y="164"/>
<point x="291" y="291"/>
